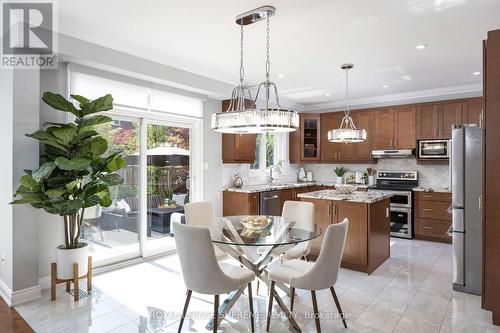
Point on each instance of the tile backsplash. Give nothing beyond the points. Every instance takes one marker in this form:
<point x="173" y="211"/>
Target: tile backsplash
<point x="434" y="175"/>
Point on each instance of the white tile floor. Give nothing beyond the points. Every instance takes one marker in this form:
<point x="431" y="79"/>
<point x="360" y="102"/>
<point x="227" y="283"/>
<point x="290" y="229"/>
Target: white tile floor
<point x="411" y="292"/>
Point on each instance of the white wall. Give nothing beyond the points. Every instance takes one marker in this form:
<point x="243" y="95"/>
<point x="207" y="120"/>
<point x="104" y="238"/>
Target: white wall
<point x="212" y="158"/>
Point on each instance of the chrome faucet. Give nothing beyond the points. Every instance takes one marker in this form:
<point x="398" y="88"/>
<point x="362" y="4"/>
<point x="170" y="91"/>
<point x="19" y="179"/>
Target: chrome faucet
<point x="272" y="177"/>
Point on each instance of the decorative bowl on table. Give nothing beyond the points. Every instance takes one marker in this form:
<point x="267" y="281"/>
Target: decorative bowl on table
<point x="256" y="223"/>
<point x="345" y="189"/>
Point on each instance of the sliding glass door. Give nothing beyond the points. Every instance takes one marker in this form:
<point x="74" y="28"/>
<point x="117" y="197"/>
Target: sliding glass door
<point x="156" y="185"/>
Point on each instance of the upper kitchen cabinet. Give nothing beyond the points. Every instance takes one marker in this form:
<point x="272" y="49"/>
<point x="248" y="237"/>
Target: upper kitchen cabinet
<point x="305" y="143"/>
<point x="364" y="119"/>
<point x="237" y="148"/>
<point x="394" y="127"/>
<point x="435" y="120"/>
<point x="472" y="111"/>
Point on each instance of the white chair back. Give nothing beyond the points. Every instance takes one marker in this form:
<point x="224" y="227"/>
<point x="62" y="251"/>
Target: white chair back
<point x="199" y="213"/>
<point x="325" y="271"/>
<point x="300" y="212"/>
<point x="91" y="213"/>
<point x="200" y="270"/>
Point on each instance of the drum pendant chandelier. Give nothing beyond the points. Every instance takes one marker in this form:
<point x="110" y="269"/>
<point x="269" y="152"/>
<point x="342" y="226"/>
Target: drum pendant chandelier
<point x="347" y="132"/>
<point x="238" y="119"/>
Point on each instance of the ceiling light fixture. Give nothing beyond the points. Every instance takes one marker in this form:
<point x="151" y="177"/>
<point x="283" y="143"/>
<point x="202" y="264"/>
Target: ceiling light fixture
<point x="476" y="73"/>
<point x="327" y="94"/>
<point x="385" y="86"/>
<point x="347" y="132"/>
<point x="280" y="76"/>
<point x="238" y="119"/>
<point x="421" y="46"/>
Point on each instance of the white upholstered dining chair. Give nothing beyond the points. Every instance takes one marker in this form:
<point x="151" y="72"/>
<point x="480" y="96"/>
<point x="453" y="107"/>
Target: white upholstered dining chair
<point x="201" y="214"/>
<point x="302" y="214"/>
<point x="203" y="274"/>
<point x="319" y="275"/>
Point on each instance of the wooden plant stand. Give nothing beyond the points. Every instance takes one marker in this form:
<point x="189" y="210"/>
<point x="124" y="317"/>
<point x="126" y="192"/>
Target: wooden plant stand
<point x="54" y="281"/>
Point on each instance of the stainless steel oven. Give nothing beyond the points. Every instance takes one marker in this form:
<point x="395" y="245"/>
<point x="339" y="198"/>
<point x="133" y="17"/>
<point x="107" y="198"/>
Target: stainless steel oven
<point x="401" y="222"/>
<point x="434" y="149"/>
<point x="401" y="199"/>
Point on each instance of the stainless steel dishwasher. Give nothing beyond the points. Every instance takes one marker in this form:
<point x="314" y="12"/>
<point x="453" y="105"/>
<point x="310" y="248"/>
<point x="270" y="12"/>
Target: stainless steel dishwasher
<point x="270" y="203"/>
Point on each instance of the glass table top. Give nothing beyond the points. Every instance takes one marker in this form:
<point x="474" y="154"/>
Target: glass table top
<point x="259" y="230"/>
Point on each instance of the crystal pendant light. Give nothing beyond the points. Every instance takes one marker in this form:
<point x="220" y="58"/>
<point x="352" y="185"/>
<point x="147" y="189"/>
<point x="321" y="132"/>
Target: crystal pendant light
<point x="347" y="132"/>
<point x="239" y="119"/>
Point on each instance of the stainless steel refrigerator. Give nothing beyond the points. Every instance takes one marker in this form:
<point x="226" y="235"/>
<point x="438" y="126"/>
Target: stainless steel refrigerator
<point x="466" y="166"/>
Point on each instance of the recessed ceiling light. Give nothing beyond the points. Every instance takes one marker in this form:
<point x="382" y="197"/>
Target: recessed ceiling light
<point x="476" y="73"/>
<point x="327" y="94"/>
<point x="421" y="46"/>
<point x="385" y="86"/>
<point x="281" y="76"/>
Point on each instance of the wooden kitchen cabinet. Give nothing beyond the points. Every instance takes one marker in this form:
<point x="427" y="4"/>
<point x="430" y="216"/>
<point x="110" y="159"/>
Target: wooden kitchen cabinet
<point x="240" y="203"/>
<point x="451" y="114"/>
<point x="305" y="143"/>
<point x="435" y="120"/>
<point x="432" y="220"/>
<point x="341" y="152"/>
<point x="472" y="111"/>
<point x="237" y="148"/>
<point x="394" y="128"/>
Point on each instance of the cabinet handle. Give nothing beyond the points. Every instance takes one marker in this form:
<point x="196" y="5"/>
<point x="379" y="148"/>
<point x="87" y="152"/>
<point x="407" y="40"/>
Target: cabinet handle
<point x="427" y="209"/>
<point x="428" y="228"/>
<point x="481" y="119"/>
<point x="427" y="196"/>
<point x="329" y="210"/>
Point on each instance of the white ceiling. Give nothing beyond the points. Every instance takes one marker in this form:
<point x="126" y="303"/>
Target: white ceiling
<point x="309" y="41"/>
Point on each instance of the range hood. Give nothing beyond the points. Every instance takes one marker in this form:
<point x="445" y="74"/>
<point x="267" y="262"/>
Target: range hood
<point x="393" y="153"/>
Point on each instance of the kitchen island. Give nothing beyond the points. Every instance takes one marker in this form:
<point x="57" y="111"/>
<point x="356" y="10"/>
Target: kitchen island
<point x="368" y="237"/>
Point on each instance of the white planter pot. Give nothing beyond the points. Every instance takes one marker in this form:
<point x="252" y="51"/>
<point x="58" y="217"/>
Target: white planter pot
<point x="66" y="258"/>
<point x="340" y="180"/>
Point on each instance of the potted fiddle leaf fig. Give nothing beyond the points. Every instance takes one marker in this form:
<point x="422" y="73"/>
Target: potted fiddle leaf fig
<point x="74" y="173"/>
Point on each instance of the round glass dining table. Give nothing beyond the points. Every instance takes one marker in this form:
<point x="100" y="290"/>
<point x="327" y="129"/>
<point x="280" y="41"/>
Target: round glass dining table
<point x="257" y="241"/>
<point x="261" y="230"/>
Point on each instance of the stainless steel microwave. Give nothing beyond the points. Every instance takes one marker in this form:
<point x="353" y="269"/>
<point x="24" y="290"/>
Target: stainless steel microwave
<point x="434" y="149"/>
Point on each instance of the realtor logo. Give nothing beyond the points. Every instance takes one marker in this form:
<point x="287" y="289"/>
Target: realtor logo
<point x="28" y="35"/>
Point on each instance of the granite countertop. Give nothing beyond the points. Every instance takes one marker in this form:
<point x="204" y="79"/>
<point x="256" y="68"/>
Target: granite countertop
<point x="432" y="189"/>
<point x="357" y="196"/>
<point x="280" y="186"/>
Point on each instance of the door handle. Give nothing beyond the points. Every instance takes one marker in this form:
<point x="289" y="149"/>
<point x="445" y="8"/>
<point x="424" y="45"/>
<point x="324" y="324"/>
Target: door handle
<point x="273" y="197"/>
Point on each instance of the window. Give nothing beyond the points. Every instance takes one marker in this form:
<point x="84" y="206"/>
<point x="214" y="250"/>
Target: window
<point x="269" y="150"/>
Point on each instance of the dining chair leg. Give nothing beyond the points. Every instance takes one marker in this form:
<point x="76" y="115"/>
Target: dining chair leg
<point x="270" y="306"/>
<point x="337" y="303"/>
<point x="250" y="304"/>
<point x="305" y="258"/>
<point x="186" y="303"/>
<point x="292" y="291"/>
<point x="216" y="313"/>
<point x="315" y="310"/>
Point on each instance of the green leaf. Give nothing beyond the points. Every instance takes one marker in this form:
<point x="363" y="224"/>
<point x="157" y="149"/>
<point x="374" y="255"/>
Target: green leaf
<point x="76" y="163"/>
<point x="100" y="104"/>
<point x="72" y="186"/>
<point x="111" y="179"/>
<point x="65" y="207"/>
<point x="55" y="193"/>
<point x="85" y="134"/>
<point x="65" y="134"/>
<point x="28" y="182"/>
<point x="95" y="120"/>
<point x="96" y="147"/>
<point x="58" y="102"/>
<point x="82" y="100"/>
<point x="59" y="181"/>
<point x="48" y="139"/>
<point x="106" y="201"/>
<point x="115" y="163"/>
<point x="91" y="201"/>
<point x="44" y="171"/>
<point x="29" y="198"/>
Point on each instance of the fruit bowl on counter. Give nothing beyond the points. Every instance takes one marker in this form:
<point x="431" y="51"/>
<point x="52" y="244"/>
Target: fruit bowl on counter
<point x="256" y="223"/>
<point x="345" y="188"/>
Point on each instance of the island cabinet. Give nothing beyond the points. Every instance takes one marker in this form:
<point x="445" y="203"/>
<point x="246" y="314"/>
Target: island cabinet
<point x="306" y="141"/>
<point x="367" y="242"/>
<point x="237" y="148"/>
<point x="394" y="127"/>
<point x="240" y="203"/>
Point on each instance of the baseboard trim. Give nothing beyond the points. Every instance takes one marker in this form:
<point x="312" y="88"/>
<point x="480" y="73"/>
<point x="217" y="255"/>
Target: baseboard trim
<point x="5" y="293"/>
<point x="26" y="295"/>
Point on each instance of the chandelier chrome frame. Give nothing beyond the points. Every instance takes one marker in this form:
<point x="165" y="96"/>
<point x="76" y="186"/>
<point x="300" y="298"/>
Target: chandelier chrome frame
<point x="240" y="119"/>
<point x="347" y="132"/>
